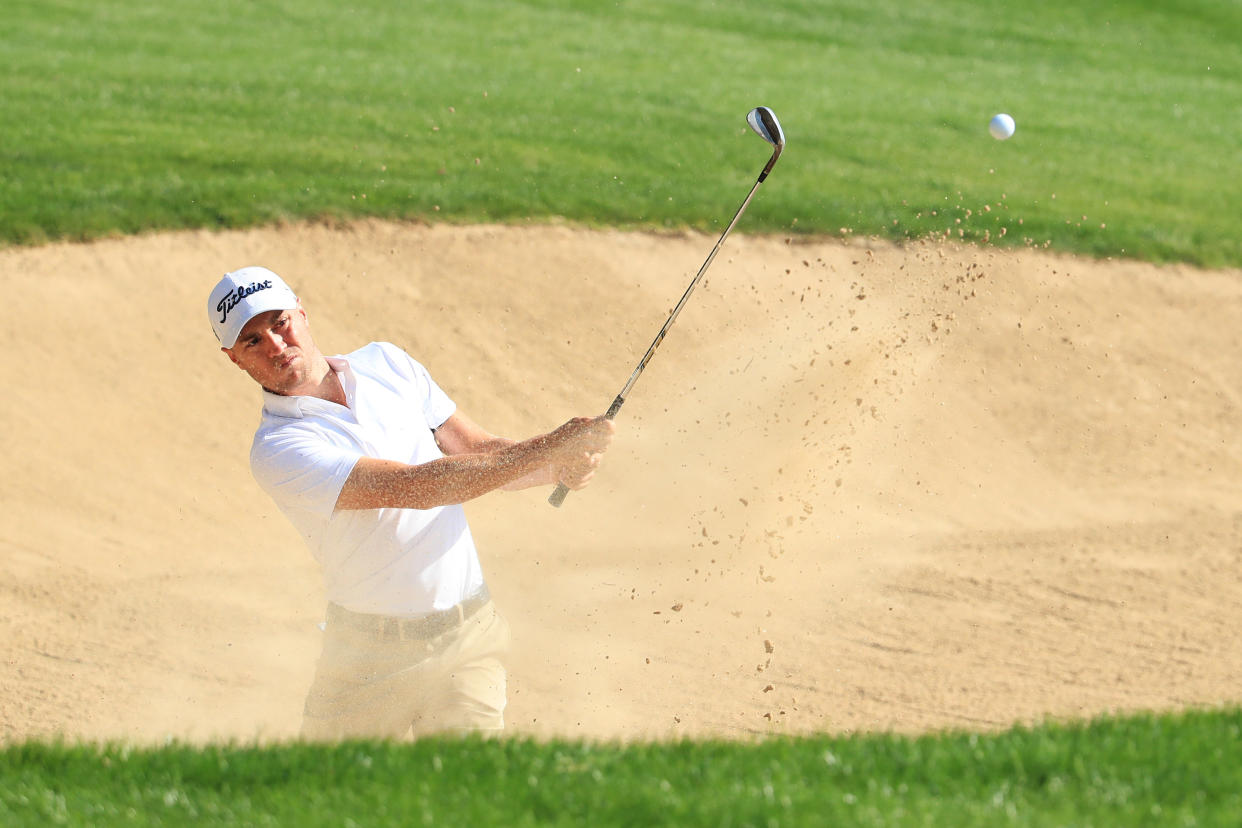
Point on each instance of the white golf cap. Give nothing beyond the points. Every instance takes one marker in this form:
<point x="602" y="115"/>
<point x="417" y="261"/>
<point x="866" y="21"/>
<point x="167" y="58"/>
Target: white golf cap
<point x="242" y="295"/>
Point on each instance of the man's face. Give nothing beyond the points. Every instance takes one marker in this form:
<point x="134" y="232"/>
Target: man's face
<point x="275" y="348"/>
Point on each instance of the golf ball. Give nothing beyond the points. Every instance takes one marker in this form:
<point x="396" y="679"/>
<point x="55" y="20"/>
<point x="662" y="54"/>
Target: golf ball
<point x="1001" y="126"/>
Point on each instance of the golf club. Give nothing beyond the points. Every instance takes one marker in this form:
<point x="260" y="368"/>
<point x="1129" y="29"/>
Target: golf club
<point x="763" y="121"/>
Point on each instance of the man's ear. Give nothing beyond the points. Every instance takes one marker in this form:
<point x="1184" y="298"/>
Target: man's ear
<point x="231" y="357"/>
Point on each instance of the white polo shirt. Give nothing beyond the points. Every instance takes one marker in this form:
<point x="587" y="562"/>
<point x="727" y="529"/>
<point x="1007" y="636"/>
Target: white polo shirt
<point x="405" y="562"/>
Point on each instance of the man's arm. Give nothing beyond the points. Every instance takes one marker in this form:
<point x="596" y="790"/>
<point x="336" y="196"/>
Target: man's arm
<point x="465" y="473"/>
<point x="461" y="435"/>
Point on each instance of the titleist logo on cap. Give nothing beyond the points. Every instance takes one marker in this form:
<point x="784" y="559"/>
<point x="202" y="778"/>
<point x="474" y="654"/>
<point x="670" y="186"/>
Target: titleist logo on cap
<point x="241" y="296"/>
<point x="231" y="299"/>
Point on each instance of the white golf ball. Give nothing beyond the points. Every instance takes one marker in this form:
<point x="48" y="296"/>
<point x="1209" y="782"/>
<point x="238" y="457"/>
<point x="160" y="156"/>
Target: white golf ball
<point x="1001" y="126"/>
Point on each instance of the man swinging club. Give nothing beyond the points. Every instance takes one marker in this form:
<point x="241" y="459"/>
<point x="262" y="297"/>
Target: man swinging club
<point x="371" y="461"/>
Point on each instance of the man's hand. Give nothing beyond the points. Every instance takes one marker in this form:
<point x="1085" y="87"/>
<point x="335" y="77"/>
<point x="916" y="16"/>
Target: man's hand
<point x="586" y="440"/>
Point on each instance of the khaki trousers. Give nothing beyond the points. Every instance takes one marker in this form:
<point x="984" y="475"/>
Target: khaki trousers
<point x="385" y="682"/>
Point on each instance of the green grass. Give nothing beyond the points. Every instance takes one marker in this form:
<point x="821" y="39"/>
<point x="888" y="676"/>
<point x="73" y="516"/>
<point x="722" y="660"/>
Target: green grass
<point x="1142" y="770"/>
<point x="128" y="116"/>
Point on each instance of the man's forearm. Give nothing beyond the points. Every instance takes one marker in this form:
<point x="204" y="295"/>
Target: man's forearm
<point x="378" y="484"/>
<point x="543" y="476"/>
<point x="488" y="446"/>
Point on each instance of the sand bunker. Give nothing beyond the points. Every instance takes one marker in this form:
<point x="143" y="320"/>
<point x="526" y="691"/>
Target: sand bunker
<point x="861" y="487"/>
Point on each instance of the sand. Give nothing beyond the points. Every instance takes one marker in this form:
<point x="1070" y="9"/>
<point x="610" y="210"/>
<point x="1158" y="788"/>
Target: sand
<point x="862" y="487"/>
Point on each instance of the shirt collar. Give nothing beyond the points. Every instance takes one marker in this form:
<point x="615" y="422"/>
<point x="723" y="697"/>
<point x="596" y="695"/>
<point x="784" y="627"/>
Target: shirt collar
<point x="297" y="407"/>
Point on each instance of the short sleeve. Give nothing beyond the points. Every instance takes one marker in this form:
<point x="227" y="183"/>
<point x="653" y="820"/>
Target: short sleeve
<point x="301" y="471"/>
<point x="437" y="406"/>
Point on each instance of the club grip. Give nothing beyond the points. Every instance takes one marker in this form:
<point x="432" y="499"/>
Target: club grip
<point x="562" y="491"/>
<point x="558" y="495"/>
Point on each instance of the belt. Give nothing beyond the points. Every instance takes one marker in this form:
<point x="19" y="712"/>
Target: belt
<point x="409" y="629"/>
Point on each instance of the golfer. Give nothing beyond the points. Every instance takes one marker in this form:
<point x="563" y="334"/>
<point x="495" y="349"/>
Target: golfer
<point x="371" y="461"/>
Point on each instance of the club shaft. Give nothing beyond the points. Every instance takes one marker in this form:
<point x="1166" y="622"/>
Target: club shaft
<point x="562" y="491"/>
<point x="681" y="303"/>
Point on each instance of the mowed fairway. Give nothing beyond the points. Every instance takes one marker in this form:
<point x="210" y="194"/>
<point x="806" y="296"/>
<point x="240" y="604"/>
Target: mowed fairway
<point x="126" y="117"/>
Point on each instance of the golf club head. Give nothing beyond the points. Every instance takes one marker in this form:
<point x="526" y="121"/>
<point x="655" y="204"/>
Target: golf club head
<point x="763" y="121"/>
